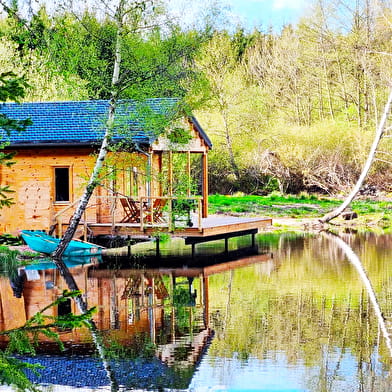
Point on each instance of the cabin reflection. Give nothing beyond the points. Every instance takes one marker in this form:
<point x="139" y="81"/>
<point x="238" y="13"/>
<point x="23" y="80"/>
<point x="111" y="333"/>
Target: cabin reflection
<point x="168" y="307"/>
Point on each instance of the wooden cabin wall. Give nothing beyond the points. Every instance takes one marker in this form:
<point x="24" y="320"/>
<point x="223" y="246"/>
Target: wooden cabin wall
<point x="32" y="179"/>
<point x="195" y="144"/>
<point x="12" y="309"/>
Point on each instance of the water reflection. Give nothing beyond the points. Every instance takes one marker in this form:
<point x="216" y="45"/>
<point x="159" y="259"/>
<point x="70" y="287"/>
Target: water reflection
<point x="287" y="315"/>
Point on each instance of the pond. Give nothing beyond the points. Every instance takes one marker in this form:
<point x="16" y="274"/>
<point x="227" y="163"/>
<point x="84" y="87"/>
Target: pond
<point x="292" y="313"/>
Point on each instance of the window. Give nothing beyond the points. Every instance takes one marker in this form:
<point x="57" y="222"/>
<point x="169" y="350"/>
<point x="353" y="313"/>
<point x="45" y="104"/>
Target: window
<point x="64" y="307"/>
<point x="61" y="187"/>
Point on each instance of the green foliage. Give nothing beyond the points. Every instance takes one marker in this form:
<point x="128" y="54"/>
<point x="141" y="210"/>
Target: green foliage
<point x="291" y="110"/>
<point x="184" y="306"/>
<point x="277" y="204"/>
<point x="141" y="348"/>
<point x="179" y="135"/>
<point x="299" y="112"/>
<point x="12" y="373"/>
<point x="11" y="88"/>
<point x="9" y="261"/>
<point x="24" y="340"/>
<point x="9" y="239"/>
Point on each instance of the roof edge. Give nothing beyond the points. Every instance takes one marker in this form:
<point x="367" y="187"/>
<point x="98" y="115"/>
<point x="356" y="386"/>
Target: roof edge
<point x="201" y="131"/>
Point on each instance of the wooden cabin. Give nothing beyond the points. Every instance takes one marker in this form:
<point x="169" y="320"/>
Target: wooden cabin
<point x="56" y="154"/>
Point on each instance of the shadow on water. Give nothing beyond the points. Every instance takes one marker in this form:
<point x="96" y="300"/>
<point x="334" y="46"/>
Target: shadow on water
<point x="287" y="314"/>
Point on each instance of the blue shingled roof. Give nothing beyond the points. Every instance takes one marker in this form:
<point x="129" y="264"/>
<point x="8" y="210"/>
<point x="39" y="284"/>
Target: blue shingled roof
<point x="82" y="122"/>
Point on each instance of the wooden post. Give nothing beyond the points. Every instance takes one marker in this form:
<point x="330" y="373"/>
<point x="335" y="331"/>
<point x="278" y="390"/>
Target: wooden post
<point x="113" y="211"/>
<point x="157" y="243"/>
<point x="206" y="317"/>
<point x="131" y="182"/>
<point x="199" y="213"/>
<point x="205" y="186"/>
<point x="143" y="289"/>
<point x="170" y="190"/>
<point x="129" y="251"/>
<point x="60" y="226"/>
<point x="159" y="170"/>
<point x="170" y="179"/>
<point x="85" y="226"/>
<point x="114" y="322"/>
<point x="141" y="214"/>
<point x="188" y="172"/>
<point x="152" y="311"/>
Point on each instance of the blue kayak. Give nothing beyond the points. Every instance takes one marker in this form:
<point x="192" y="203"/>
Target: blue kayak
<point x="41" y="242"/>
<point x="70" y="262"/>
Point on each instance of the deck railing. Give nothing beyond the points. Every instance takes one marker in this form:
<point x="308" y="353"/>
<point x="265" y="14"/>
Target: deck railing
<point x="166" y="212"/>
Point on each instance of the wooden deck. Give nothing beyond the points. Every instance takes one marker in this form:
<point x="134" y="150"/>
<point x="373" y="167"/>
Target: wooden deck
<point x="213" y="227"/>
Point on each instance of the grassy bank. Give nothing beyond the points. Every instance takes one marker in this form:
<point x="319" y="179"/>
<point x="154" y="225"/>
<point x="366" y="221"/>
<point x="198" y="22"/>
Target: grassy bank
<point x="304" y="206"/>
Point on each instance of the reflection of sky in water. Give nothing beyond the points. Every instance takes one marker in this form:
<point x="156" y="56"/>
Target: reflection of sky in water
<point x="272" y="375"/>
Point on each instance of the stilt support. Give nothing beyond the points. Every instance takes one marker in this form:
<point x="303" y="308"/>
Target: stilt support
<point x="157" y="243"/>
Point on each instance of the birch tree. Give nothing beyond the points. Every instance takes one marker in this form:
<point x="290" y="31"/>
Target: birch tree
<point x="382" y="129"/>
<point x="93" y="182"/>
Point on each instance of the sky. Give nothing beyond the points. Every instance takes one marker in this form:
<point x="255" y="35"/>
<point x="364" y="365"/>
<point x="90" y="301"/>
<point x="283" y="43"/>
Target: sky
<point x="249" y="13"/>
<point x="267" y="12"/>
<point x="261" y="14"/>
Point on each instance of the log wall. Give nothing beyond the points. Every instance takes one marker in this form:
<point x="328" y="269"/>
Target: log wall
<point x="32" y="179"/>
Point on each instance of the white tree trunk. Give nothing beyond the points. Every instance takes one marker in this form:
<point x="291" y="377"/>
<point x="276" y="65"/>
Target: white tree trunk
<point x="356" y="262"/>
<point x="94" y="178"/>
<point x="379" y="134"/>
<point x="92" y="184"/>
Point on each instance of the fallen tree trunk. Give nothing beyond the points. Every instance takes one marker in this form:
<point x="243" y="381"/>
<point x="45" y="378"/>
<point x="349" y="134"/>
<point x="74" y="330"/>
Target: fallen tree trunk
<point x="379" y="134"/>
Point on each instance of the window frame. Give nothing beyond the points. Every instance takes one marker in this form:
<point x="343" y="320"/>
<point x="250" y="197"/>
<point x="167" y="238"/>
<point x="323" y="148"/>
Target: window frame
<point x="70" y="188"/>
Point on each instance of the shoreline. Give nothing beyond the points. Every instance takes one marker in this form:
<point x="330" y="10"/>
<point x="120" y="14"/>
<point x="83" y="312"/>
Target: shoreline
<point x="306" y="225"/>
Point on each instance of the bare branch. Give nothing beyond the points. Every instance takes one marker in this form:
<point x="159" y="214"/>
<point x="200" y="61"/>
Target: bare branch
<point x="383" y="160"/>
<point x="384" y="152"/>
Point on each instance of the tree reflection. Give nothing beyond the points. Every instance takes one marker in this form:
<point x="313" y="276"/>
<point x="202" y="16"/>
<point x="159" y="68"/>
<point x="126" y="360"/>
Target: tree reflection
<point x="312" y="307"/>
<point x="356" y="262"/>
<point x="304" y="307"/>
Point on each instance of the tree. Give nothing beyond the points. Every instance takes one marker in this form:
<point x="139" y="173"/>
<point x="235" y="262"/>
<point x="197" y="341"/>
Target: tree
<point x="128" y="17"/>
<point x="162" y="67"/>
<point x="12" y="88"/>
<point x="382" y="129"/>
<point x="219" y="64"/>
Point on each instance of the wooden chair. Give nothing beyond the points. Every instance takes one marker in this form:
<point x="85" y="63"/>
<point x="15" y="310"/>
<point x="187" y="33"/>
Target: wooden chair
<point x="131" y="209"/>
<point x="157" y="211"/>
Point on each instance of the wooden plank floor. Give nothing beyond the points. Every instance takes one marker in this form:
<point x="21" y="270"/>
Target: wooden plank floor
<point x="212" y="226"/>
